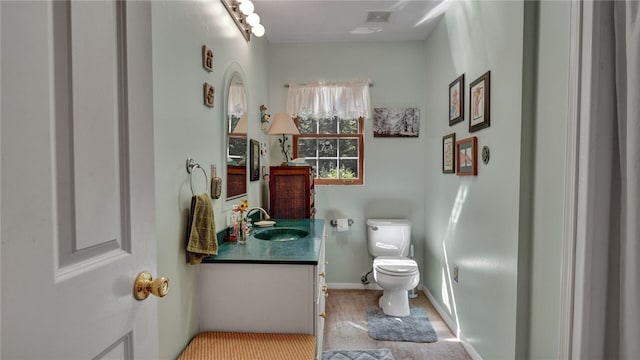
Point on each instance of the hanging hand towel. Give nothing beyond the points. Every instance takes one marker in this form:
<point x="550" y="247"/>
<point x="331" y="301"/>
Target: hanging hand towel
<point x="202" y="230"/>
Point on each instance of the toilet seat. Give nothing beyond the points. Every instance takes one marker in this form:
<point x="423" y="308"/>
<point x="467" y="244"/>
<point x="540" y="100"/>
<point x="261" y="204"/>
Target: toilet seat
<point x="395" y="266"/>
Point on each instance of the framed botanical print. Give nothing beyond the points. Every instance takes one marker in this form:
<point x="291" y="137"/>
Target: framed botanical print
<point x="467" y="156"/>
<point x="448" y="154"/>
<point x="456" y="100"/>
<point x="479" y="101"/>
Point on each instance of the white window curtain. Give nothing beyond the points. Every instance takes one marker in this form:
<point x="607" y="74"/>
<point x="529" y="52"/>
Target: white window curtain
<point x="237" y="102"/>
<point x="623" y="311"/>
<point x="608" y="280"/>
<point x="319" y="99"/>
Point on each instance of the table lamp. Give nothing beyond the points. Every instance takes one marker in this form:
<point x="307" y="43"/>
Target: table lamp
<point x="283" y="124"/>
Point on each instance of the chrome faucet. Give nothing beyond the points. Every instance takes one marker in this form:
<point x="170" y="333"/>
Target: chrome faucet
<point x="247" y="219"/>
<point x="263" y="211"/>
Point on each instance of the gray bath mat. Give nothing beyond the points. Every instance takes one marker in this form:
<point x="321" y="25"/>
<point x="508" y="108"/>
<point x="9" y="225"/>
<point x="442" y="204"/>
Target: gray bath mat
<point x="375" y="354"/>
<point x="415" y="328"/>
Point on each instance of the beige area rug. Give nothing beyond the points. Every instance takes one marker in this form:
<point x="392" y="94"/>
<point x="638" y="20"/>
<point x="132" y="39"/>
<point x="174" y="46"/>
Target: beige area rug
<point x="346" y="328"/>
<point x="250" y="346"/>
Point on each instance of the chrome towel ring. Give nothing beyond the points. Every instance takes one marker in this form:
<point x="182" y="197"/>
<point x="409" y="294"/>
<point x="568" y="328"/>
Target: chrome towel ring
<point x="191" y="167"/>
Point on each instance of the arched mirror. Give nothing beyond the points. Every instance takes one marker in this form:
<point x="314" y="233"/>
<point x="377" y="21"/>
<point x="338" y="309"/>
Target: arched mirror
<point x="236" y="138"/>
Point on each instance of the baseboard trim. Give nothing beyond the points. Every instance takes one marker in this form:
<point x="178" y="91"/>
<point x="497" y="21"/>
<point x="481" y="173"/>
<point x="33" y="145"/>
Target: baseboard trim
<point x="452" y="325"/>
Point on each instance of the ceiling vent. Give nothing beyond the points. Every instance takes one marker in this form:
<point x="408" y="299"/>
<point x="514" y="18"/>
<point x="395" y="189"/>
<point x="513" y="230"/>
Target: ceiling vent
<point x="378" y="16"/>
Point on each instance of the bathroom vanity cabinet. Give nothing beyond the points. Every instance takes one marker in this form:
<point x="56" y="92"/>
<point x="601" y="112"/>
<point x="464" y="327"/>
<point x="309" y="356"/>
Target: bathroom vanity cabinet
<point x="321" y="294"/>
<point x="276" y="297"/>
<point x="291" y="192"/>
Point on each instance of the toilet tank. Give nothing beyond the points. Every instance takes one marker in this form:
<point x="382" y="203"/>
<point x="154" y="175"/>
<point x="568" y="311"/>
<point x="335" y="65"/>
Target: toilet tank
<point x="388" y="237"/>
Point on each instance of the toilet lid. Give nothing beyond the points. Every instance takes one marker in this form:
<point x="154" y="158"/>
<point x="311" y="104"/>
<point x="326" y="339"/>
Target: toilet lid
<point x="395" y="265"/>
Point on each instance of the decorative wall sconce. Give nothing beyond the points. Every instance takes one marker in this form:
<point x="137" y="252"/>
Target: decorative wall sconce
<point x="209" y="93"/>
<point x="485" y="154"/>
<point x="242" y="13"/>
<point x="264" y="118"/>
<point x="207" y="58"/>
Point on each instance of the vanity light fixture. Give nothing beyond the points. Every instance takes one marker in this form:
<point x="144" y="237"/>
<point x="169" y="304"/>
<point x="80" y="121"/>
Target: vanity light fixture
<point x="241" y="12"/>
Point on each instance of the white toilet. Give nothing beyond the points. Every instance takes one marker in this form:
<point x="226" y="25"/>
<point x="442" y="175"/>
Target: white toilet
<point x="388" y="241"/>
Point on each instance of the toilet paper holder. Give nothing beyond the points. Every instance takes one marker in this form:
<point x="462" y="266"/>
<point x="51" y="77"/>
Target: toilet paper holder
<point x="334" y="222"/>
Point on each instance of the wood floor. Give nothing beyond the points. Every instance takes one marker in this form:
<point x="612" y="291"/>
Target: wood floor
<point x="346" y="328"/>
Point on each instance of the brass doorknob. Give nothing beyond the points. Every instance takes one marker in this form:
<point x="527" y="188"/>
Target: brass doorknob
<point x="145" y="285"/>
<point x="322" y="315"/>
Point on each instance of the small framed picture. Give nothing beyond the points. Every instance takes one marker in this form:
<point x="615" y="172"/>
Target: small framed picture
<point x="467" y="156"/>
<point x="448" y="156"/>
<point x="254" y="157"/>
<point x="209" y="94"/>
<point x="479" y="100"/>
<point x="456" y="100"/>
<point x="207" y="58"/>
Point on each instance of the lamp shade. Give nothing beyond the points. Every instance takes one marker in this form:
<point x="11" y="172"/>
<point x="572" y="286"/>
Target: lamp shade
<point x="283" y="124"/>
<point x="241" y="126"/>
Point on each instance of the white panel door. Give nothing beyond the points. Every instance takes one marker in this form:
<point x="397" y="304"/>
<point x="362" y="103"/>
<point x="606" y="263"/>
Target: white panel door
<point x="78" y="213"/>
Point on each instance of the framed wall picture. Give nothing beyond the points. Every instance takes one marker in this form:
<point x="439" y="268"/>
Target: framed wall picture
<point x="448" y="155"/>
<point x="396" y="122"/>
<point x="467" y="156"/>
<point x="456" y="100"/>
<point x="479" y="100"/>
<point x="254" y="157"/>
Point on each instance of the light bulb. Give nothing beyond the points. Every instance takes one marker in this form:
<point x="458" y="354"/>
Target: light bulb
<point x="246" y="7"/>
<point x="253" y="19"/>
<point x="258" y="30"/>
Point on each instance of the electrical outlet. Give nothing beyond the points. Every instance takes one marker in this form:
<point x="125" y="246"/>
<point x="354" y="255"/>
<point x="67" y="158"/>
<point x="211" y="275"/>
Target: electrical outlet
<point x="455" y="273"/>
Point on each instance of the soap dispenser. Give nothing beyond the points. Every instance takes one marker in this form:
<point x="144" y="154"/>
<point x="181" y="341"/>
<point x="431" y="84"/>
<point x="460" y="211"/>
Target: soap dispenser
<point x="216" y="183"/>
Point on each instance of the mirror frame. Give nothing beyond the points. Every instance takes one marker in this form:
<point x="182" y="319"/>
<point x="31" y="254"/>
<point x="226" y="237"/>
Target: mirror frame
<point x="233" y="69"/>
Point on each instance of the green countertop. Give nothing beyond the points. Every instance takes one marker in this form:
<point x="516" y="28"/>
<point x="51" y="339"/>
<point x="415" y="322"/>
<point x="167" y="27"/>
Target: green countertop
<point x="302" y="251"/>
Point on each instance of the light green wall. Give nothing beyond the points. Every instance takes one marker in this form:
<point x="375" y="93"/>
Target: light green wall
<point x="394" y="167"/>
<point x="184" y="127"/>
<point x="474" y="222"/>
<point x="503" y="228"/>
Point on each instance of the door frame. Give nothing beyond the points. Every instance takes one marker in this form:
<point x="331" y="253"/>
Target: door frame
<point x="0" y="181"/>
<point x="581" y="165"/>
<point x="571" y="183"/>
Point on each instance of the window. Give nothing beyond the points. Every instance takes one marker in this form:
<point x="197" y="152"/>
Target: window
<point x="334" y="147"/>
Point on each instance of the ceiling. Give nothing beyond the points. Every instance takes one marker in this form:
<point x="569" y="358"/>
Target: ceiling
<point x="288" y="21"/>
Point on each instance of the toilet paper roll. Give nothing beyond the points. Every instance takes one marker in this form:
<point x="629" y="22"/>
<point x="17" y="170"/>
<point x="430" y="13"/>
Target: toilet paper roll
<point x="343" y="225"/>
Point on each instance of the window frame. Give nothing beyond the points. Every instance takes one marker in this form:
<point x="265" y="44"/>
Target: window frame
<point x="359" y="135"/>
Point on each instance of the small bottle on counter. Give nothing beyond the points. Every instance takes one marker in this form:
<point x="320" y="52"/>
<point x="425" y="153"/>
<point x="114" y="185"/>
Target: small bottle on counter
<point x="233" y="231"/>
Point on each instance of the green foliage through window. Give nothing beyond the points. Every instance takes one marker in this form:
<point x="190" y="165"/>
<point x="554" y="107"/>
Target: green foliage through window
<point x="333" y="147"/>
